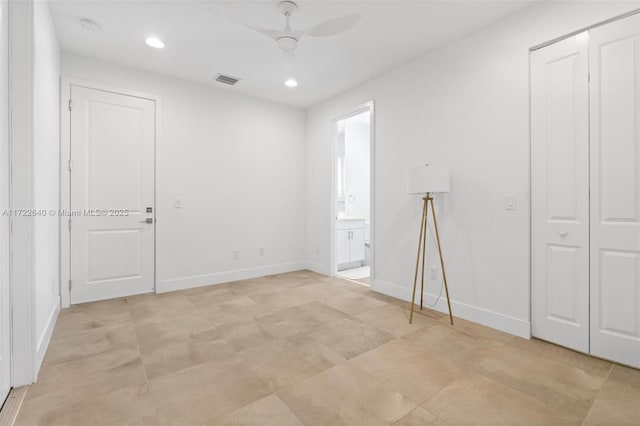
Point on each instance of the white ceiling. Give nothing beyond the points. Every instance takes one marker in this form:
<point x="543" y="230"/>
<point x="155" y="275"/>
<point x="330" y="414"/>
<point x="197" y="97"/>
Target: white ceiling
<point x="204" y="38"/>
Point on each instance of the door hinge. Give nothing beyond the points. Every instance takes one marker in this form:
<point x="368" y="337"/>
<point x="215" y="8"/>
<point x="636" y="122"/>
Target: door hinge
<point x="70" y="165"/>
<point x="69" y="224"/>
<point x="70" y="104"/>
<point x="70" y="284"/>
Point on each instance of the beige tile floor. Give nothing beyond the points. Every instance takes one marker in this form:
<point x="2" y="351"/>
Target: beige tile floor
<point x="304" y="349"/>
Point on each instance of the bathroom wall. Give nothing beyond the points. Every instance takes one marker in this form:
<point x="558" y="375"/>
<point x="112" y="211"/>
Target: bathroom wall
<point x="357" y="166"/>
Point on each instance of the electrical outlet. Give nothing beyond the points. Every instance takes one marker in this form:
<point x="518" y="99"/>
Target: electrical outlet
<point x="235" y="255"/>
<point x="433" y="272"/>
<point x="261" y="251"/>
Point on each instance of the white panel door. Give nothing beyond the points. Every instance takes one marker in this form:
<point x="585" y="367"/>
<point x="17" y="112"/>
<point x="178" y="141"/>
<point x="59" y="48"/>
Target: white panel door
<point x="560" y="193"/>
<point x="112" y="188"/>
<point x="614" y="54"/>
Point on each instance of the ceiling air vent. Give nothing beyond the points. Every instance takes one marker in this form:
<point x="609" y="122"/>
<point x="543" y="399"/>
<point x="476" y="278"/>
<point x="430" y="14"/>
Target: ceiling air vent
<point x="226" y="79"/>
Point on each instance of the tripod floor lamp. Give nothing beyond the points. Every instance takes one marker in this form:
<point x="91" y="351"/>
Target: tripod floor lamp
<point x="427" y="180"/>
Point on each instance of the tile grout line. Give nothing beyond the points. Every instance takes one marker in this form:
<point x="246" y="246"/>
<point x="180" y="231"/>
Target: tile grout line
<point x="557" y="362"/>
<point x="606" y="379"/>
<point x="380" y="380"/>
<point x="144" y="368"/>
<point x="290" y="408"/>
<point x="522" y="393"/>
<point x="207" y="320"/>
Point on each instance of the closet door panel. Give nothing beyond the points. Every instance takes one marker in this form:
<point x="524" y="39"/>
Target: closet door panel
<point x="615" y="190"/>
<point x="560" y="191"/>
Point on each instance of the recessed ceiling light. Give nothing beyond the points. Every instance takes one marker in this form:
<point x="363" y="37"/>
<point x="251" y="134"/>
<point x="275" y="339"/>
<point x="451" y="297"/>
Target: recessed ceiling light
<point x="155" y="42"/>
<point x="291" y="83"/>
<point x="89" y="25"/>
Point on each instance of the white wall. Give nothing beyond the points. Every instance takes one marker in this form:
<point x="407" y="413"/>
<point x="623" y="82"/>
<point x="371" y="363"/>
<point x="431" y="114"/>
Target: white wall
<point x="46" y="173"/>
<point x="33" y="82"/>
<point x="357" y="162"/>
<point x="5" y="290"/>
<point x="465" y="106"/>
<point x="238" y="166"/>
<point x="34" y="184"/>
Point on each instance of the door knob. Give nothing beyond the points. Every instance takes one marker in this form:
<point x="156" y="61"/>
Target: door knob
<point x="147" y="220"/>
<point x="563" y="233"/>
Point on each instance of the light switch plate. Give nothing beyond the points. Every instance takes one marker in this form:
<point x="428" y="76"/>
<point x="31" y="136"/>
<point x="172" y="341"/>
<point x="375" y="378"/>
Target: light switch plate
<point x="510" y="202"/>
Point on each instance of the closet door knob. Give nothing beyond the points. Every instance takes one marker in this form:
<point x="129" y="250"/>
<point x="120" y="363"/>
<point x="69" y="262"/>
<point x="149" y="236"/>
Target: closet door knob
<point x="563" y="233"/>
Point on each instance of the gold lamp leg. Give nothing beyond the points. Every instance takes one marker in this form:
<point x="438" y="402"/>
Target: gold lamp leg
<point x="420" y="238"/>
<point x="424" y="246"/>
<point x="444" y="275"/>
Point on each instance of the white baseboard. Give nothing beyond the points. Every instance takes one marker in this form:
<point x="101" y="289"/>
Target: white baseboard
<point x="45" y="337"/>
<point x="318" y="268"/>
<point x="506" y="323"/>
<point x="227" y="276"/>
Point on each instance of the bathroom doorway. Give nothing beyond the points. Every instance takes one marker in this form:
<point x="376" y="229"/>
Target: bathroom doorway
<point x="353" y="196"/>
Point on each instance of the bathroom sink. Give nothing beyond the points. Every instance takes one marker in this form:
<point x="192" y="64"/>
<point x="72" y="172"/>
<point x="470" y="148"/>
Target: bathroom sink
<point x="351" y="218"/>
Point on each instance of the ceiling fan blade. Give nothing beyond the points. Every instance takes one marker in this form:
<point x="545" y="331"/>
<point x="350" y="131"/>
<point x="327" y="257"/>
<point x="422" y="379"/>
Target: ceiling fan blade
<point x="334" y="26"/>
<point x="272" y="34"/>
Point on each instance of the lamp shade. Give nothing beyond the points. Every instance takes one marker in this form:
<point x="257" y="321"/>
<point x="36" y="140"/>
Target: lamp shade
<point x="423" y="179"/>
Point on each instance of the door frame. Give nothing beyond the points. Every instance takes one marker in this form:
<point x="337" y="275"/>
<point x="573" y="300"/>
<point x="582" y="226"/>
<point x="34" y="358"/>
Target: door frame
<point x="65" y="176"/>
<point x="6" y="287"/>
<point x="23" y="315"/>
<point x="333" y="265"/>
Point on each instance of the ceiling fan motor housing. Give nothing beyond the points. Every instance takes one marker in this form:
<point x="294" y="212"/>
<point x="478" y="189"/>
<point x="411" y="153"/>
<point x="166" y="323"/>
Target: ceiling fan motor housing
<point x="287" y="7"/>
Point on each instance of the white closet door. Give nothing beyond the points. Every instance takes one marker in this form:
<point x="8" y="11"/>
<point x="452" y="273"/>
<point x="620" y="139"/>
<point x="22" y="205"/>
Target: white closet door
<point x="615" y="191"/>
<point x="560" y="193"/>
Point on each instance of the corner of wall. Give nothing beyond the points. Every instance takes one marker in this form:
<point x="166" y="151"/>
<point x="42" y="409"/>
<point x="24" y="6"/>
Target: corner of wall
<point x="45" y="338"/>
<point x="182" y="283"/>
<point x="492" y="319"/>
<point x="318" y="268"/>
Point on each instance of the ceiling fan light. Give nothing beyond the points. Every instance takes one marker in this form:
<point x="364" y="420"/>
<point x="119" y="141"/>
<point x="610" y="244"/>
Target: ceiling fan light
<point x="287" y="43"/>
<point x="290" y="82"/>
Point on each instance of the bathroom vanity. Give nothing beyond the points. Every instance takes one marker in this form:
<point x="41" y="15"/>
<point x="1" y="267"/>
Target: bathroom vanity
<point x="350" y="247"/>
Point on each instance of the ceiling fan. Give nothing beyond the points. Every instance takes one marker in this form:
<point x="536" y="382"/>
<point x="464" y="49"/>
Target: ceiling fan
<point x="288" y="39"/>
